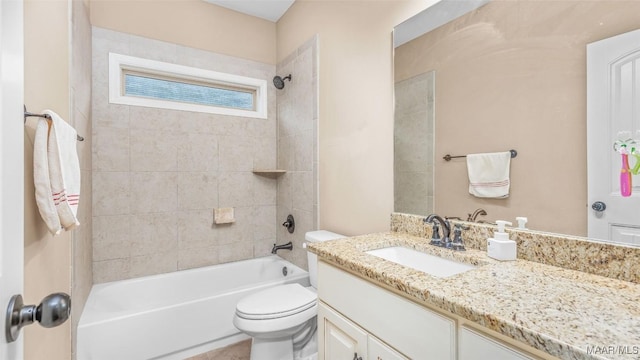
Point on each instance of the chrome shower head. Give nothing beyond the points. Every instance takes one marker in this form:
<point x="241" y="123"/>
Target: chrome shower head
<point x="278" y="81"/>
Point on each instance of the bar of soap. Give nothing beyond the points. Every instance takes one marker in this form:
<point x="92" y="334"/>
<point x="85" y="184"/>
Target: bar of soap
<point x="223" y="216"/>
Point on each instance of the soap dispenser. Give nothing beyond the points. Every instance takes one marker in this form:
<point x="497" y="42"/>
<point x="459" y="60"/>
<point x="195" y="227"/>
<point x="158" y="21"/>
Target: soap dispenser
<point x="522" y="222"/>
<point x="500" y="247"/>
<point x="501" y="234"/>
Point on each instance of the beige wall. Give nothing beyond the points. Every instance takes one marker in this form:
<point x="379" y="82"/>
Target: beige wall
<point x="192" y="23"/>
<point x="47" y="259"/>
<point x="356" y="105"/>
<point x="513" y="75"/>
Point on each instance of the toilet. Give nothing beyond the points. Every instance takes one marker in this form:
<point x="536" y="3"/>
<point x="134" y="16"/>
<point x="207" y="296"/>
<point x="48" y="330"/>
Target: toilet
<point x="282" y="320"/>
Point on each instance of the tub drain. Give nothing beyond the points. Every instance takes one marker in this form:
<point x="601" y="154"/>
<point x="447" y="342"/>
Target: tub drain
<point x="285" y="271"/>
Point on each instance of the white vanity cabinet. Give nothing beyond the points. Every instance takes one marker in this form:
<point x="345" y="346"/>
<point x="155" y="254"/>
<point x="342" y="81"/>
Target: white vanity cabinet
<point x="381" y="351"/>
<point x="357" y="317"/>
<point x="413" y="330"/>
<point x="339" y="338"/>
<point x="342" y="339"/>
<point x="476" y="346"/>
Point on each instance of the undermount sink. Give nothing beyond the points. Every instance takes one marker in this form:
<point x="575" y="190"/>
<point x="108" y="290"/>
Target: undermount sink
<point x="430" y="264"/>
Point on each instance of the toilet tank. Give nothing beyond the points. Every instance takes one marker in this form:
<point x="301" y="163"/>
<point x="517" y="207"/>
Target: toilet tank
<point x="313" y="237"/>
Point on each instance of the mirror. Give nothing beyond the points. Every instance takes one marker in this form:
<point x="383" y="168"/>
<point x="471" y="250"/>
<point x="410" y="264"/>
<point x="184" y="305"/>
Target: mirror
<point x="507" y="75"/>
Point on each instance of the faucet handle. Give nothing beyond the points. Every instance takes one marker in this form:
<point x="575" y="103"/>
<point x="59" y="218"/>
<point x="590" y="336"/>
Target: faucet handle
<point x="457" y="243"/>
<point x="435" y="234"/>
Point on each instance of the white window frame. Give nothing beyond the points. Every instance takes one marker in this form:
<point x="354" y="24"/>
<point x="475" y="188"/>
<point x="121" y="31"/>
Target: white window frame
<point x="118" y="64"/>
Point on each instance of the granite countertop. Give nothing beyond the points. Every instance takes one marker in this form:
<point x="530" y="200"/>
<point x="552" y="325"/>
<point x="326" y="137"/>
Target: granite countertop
<point x="561" y="312"/>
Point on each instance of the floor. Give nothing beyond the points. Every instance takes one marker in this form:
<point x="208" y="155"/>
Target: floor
<point x="237" y="351"/>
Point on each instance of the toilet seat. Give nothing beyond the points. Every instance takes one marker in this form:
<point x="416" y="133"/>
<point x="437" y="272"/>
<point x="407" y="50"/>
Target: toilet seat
<point x="276" y="302"/>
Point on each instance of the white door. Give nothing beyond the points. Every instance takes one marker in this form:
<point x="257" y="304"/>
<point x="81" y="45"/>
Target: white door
<point x="613" y="105"/>
<point x="339" y="338"/>
<point x="378" y="350"/>
<point x="474" y="346"/>
<point x="11" y="164"/>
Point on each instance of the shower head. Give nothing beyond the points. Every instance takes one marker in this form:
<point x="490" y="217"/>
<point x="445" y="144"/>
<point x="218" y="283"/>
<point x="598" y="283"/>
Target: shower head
<point x="278" y="81"/>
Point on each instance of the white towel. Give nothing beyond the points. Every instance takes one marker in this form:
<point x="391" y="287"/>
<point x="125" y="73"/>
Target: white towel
<point x="489" y="174"/>
<point x="63" y="173"/>
<point x="44" y="200"/>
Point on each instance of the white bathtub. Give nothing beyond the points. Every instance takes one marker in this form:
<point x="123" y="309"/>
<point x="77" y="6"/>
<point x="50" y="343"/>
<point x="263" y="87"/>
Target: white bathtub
<point x="175" y="315"/>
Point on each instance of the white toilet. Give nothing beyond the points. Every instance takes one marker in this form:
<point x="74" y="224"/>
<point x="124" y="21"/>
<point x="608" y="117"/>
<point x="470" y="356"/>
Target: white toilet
<point x="282" y="318"/>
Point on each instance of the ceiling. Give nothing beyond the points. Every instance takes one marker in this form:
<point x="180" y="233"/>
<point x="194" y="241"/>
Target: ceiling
<point x="270" y="10"/>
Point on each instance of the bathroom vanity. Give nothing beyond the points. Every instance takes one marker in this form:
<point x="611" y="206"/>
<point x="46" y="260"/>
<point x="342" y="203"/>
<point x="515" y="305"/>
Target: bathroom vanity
<point x="377" y="309"/>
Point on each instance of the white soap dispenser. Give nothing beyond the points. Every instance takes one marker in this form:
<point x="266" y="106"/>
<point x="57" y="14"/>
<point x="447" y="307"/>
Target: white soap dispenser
<point x="501" y="234"/>
<point x="522" y="222"/>
<point x="500" y="247"/>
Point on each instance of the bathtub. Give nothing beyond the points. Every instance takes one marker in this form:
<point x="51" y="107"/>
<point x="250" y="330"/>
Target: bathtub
<point x="175" y="315"/>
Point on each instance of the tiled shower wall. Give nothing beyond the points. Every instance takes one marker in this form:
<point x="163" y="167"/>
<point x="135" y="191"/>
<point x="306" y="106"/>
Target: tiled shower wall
<point x="158" y="174"/>
<point x="80" y="72"/>
<point x="298" y="148"/>
<point x="414" y="144"/>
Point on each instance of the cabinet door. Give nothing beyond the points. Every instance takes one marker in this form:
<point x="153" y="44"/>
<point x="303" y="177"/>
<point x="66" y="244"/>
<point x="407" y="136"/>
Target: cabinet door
<point x="475" y="346"/>
<point x="339" y="338"/>
<point x="381" y="351"/>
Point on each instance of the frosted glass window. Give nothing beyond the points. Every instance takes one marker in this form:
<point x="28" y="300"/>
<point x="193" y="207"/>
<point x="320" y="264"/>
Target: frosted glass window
<point x="149" y="87"/>
<point x="149" y="83"/>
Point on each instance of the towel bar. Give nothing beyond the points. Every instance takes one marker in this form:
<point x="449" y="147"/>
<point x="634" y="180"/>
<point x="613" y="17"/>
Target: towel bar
<point x="449" y="157"/>
<point x="45" y="116"/>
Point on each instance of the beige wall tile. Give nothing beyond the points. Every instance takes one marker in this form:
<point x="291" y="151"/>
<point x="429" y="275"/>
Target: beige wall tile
<point x="154" y="192"/>
<point x="157" y="263"/>
<point x="264" y="190"/>
<point x="235" y="153"/>
<point x="111" y="193"/>
<point x="197" y="191"/>
<point x="193" y="258"/>
<point x="240" y="231"/>
<point x="197" y="152"/>
<point x="264" y="226"/>
<point x="196" y="229"/>
<point x="303" y="151"/>
<point x="153" y="150"/>
<point x="302" y="190"/>
<point x="110" y="270"/>
<point x="111" y="237"/>
<point x="152" y="49"/>
<point x="154" y="233"/>
<point x="111" y="149"/>
<point x="236" y="251"/>
<point x="236" y="189"/>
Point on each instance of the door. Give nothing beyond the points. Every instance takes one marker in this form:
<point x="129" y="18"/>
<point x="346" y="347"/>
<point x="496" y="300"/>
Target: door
<point x="474" y="346"/>
<point x="613" y="105"/>
<point x="339" y="338"/>
<point x="11" y="164"/>
<point x="380" y="351"/>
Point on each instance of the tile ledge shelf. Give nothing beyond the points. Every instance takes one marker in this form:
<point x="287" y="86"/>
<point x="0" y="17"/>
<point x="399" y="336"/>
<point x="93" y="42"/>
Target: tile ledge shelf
<point x="272" y="173"/>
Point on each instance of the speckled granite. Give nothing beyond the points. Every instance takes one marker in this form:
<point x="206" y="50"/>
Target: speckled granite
<point x="559" y="311"/>
<point x="569" y="252"/>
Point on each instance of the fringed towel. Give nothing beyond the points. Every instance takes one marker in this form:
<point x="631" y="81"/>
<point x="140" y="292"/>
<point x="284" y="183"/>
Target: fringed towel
<point x="489" y="174"/>
<point x="56" y="173"/>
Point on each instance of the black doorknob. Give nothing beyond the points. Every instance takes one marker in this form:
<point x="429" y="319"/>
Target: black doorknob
<point x="599" y="206"/>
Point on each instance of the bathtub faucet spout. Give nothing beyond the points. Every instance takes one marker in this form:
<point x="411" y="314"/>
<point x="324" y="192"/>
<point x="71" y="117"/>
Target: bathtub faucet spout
<point x="287" y="246"/>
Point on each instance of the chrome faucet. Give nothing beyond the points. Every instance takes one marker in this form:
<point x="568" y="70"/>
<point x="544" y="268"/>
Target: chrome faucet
<point x="287" y="246"/>
<point x="445" y="241"/>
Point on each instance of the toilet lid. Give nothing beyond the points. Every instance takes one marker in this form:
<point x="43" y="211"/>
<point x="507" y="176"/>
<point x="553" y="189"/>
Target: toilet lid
<point x="276" y="302"/>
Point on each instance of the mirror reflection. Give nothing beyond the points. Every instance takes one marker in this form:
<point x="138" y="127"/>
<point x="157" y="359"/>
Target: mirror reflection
<point x="513" y="75"/>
